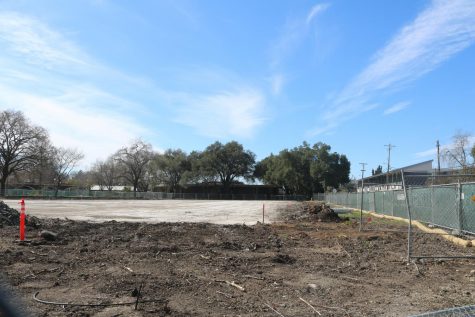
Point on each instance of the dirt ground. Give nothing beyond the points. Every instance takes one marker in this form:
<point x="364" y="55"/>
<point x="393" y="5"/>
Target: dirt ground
<point x="290" y="268"/>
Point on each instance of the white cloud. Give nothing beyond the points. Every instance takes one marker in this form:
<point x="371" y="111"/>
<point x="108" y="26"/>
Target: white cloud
<point x="439" y="32"/>
<point x="294" y="32"/>
<point x="396" y="108"/>
<point x="225" y="114"/>
<point x="316" y="9"/>
<point x="90" y="106"/>
<point x="61" y="88"/>
<point x="37" y="42"/>
<point x="96" y="133"/>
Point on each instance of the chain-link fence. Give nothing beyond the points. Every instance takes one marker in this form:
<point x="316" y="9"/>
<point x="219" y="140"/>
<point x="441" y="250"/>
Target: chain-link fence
<point x="93" y="194"/>
<point x="437" y="201"/>
<point x="450" y="206"/>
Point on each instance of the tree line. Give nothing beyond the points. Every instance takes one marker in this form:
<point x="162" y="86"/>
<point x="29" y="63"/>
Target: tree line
<point x="28" y="156"/>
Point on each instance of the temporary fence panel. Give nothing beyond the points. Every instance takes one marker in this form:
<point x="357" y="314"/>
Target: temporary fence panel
<point x="468" y="207"/>
<point x="421" y="204"/>
<point x="447" y="206"/>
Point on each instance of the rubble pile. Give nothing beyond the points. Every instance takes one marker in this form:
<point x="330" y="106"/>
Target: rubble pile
<point x="11" y="217"/>
<point x="320" y="212"/>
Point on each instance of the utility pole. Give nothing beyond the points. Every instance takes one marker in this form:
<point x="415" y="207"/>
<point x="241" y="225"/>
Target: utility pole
<point x="362" y="190"/>
<point x="438" y="157"/>
<point x="389" y="146"/>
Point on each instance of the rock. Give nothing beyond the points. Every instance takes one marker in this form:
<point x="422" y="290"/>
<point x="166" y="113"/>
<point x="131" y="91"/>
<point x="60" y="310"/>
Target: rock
<point x="284" y="259"/>
<point x="48" y="235"/>
<point x="135" y="292"/>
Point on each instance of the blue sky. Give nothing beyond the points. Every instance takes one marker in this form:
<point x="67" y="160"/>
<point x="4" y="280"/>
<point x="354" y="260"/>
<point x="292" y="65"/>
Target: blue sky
<point x="270" y="74"/>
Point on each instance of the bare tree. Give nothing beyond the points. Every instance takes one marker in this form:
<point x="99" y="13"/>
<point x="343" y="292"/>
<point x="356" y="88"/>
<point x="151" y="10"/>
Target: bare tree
<point x="64" y="160"/>
<point x="19" y="141"/>
<point x="106" y="173"/>
<point x="458" y="153"/>
<point x="42" y="172"/>
<point x="133" y="160"/>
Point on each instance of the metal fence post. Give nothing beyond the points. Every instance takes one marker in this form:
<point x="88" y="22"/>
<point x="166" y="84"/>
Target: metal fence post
<point x="432" y="209"/>
<point x="374" y="201"/>
<point x="459" y="207"/>
<point x="361" y="210"/>
<point x="409" y="217"/>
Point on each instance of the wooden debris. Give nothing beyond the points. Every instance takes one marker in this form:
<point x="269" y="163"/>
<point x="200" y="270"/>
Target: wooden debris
<point x="239" y="287"/>
<point x="275" y="311"/>
<point x="316" y="311"/>
<point x="254" y="277"/>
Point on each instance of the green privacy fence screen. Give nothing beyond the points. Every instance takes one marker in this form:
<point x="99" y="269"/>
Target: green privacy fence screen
<point x="93" y="194"/>
<point x="449" y="206"/>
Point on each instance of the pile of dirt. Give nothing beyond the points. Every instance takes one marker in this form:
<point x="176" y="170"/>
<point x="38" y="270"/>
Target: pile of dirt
<point x="321" y="212"/>
<point x="11" y="217"/>
<point x="308" y="211"/>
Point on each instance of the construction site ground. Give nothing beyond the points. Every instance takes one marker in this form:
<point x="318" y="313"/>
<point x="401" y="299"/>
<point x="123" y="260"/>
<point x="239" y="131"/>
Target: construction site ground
<point x="295" y="267"/>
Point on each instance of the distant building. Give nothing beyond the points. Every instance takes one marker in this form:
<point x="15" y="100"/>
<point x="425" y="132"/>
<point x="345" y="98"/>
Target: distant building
<point x="419" y="173"/>
<point x="114" y="188"/>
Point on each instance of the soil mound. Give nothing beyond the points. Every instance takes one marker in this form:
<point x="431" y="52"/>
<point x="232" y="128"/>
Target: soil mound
<point x="321" y="212"/>
<point x="11" y="217"/>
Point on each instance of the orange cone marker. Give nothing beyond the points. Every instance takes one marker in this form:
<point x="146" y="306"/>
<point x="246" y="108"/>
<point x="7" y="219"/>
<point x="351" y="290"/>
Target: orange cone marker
<point x="22" y="220"/>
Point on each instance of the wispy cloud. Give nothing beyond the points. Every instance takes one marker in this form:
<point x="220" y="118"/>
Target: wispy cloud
<point x="294" y="32"/>
<point x="224" y="114"/>
<point x="439" y="32"/>
<point x="316" y="9"/>
<point x="96" y="108"/>
<point x="396" y="108"/>
<point x="39" y="44"/>
<point x="62" y="91"/>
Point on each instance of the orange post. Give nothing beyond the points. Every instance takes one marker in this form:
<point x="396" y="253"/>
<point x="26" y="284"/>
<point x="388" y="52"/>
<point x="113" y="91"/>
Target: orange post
<point x="22" y="220"/>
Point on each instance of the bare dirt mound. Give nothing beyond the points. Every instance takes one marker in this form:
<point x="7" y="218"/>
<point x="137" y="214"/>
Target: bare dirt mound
<point x="321" y="212"/>
<point x="310" y="211"/>
<point x="11" y="217"/>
